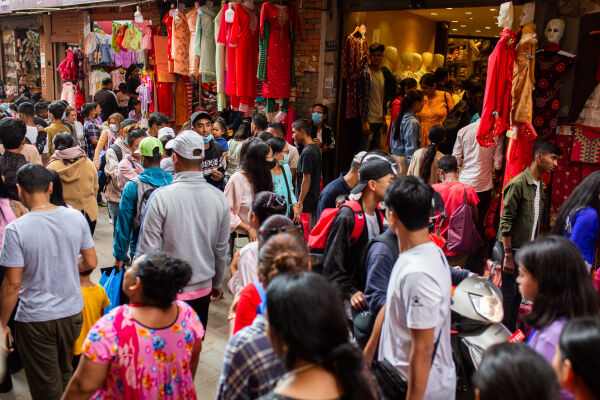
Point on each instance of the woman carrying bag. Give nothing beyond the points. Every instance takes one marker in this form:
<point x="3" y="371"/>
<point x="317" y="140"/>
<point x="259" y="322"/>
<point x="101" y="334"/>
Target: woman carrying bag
<point x="282" y="177"/>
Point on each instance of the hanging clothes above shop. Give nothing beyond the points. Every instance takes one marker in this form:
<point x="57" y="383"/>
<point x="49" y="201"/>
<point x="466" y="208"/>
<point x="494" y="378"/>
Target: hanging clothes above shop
<point x="68" y="93"/>
<point x="497" y="98"/>
<point x="279" y="25"/>
<point x="220" y="63"/>
<point x="168" y="21"/>
<point x="551" y="68"/>
<point x="205" y="43"/>
<point x="224" y="38"/>
<point x="193" y="19"/>
<point x="181" y="43"/>
<point x="523" y="76"/>
<point x="354" y="56"/>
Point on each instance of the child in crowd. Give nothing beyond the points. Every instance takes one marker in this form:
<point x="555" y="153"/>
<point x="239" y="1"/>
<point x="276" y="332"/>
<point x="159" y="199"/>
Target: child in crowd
<point x="136" y="113"/>
<point x="219" y="132"/>
<point x="123" y="99"/>
<point x="95" y="301"/>
<point x="167" y="160"/>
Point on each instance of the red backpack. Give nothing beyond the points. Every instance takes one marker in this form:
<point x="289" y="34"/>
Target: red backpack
<point x="318" y="236"/>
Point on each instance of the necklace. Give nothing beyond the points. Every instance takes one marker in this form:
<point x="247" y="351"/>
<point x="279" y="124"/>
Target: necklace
<point x="45" y="206"/>
<point x="296" y="371"/>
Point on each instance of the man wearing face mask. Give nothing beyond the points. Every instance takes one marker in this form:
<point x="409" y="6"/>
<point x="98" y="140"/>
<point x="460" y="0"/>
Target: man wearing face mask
<point x="324" y="137"/>
<point x="213" y="164"/>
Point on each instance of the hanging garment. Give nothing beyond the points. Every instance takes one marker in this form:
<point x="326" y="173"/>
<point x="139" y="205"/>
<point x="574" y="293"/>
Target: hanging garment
<point x="244" y="37"/>
<point x="189" y="92"/>
<point x="551" y="67"/>
<point x="205" y="46"/>
<point x="164" y="94"/>
<point x="220" y="64"/>
<point x="182" y="113"/>
<point x="354" y="56"/>
<point x="590" y="114"/>
<point x="146" y="93"/>
<point x="523" y="76"/>
<point x="132" y="38"/>
<point x="566" y="176"/>
<point x="586" y="145"/>
<point x="518" y="151"/>
<point x="79" y="98"/>
<point x="68" y="93"/>
<point x="67" y="68"/>
<point x="224" y="39"/>
<point x="192" y="18"/>
<point x="168" y="21"/>
<point x="124" y="59"/>
<point x="181" y="45"/>
<point x="161" y="63"/>
<point x="95" y="79"/>
<point x="146" y="43"/>
<point x="497" y="98"/>
<point x="278" y="26"/>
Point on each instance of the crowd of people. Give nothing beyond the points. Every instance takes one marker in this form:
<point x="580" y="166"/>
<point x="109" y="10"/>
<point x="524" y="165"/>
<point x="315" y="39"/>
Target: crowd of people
<point x="332" y="278"/>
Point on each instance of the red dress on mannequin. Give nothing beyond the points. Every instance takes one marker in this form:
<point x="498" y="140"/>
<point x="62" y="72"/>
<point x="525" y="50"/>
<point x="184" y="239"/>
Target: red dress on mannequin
<point x="230" y="79"/>
<point x="244" y="38"/>
<point x="497" y="99"/>
<point x="283" y="21"/>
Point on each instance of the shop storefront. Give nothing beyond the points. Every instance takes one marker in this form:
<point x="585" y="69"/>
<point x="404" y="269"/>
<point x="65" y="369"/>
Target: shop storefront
<point x="20" y="69"/>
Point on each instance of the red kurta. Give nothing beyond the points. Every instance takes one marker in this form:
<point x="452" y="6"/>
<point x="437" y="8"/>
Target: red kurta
<point x="230" y="79"/>
<point x="244" y="38"/>
<point x="497" y="99"/>
<point x="283" y="21"/>
<point x="168" y="21"/>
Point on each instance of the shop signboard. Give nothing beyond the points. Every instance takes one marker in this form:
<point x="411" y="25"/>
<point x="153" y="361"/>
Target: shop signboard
<point x="77" y="2"/>
<point x="16" y="5"/>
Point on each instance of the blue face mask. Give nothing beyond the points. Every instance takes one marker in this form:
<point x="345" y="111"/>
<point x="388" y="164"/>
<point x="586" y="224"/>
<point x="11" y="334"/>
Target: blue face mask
<point x="207" y="139"/>
<point x="317" y="118"/>
<point x="286" y="159"/>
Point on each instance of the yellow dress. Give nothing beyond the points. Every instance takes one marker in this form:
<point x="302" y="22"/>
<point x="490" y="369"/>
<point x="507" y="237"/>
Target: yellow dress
<point x="434" y="112"/>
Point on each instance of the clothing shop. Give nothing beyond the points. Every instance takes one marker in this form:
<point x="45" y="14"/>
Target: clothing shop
<point x="20" y="69"/>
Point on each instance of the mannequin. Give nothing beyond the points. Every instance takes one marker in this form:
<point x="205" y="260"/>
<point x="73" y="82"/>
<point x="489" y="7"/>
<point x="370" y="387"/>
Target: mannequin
<point x="390" y="56"/>
<point x="406" y="59"/>
<point x="438" y="61"/>
<point x="521" y="136"/>
<point x="427" y="58"/>
<point x="497" y="99"/>
<point x="551" y="67"/>
<point x="414" y="67"/>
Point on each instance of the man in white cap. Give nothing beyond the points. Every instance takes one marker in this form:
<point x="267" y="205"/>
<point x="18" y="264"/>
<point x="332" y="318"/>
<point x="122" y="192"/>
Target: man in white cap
<point x="189" y="219"/>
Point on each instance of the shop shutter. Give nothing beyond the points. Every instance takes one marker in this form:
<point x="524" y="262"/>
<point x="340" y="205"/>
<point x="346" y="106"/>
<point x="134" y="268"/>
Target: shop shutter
<point x="66" y="26"/>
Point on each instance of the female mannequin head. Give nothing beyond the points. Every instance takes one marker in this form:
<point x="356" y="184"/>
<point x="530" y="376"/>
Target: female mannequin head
<point x="407" y="59"/>
<point x="554" y="30"/>
<point x="427" y="61"/>
<point x="505" y="18"/>
<point x="416" y="63"/>
<point x="390" y="56"/>
<point x="438" y="61"/>
<point x="527" y="13"/>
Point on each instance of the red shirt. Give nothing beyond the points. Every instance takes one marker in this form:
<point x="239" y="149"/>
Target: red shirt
<point x="246" y="309"/>
<point x="453" y="195"/>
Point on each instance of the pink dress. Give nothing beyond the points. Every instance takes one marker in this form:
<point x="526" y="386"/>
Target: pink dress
<point x="153" y="363"/>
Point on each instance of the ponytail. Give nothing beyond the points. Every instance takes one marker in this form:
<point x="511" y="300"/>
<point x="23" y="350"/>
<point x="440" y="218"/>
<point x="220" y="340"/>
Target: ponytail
<point x="407" y="102"/>
<point x="281" y="253"/>
<point x="436" y="136"/>
<point x="346" y="363"/>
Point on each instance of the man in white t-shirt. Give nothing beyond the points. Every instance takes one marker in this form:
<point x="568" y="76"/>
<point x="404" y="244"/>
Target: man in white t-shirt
<point x="26" y="114"/>
<point x="413" y="327"/>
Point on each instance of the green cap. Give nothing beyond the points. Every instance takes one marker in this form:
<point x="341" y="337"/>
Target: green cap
<point x="150" y="147"/>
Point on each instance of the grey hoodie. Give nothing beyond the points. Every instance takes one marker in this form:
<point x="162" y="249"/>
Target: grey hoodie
<point x="189" y="219"/>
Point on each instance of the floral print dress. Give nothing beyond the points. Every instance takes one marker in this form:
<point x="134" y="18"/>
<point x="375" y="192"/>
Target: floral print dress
<point x="145" y="363"/>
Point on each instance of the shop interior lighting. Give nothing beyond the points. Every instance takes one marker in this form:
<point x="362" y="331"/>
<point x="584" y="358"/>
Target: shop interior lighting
<point x="434" y="13"/>
<point x="493" y="9"/>
<point x="468" y="13"/>
<point x="477" y="30"/>
<point x="454" y="29"/>
<point x="487" y="27"/>
<point x="448" y="8"/>
<point x="137" y="16"/>
<point x="455" y="22"/>
<point x="463" y="26"/>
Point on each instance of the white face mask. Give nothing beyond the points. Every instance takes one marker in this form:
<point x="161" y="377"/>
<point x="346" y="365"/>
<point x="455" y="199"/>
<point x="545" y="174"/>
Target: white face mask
<point x="113" y="128"/>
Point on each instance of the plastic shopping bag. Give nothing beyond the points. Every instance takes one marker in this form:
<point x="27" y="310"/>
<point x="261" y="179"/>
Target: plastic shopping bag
<point x="112" y="286"/>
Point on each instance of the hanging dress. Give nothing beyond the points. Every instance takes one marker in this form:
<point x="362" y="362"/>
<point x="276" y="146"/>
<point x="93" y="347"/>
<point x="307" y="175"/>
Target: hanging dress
<point x="168" y="21"/>
<point x="220" y="63"/>
<point x="205" y="44"/>
<point x="224" y="39"/>
<point x="244" y="38"/>
<point x="181" y="43"/>
<point x="278" y="25"/>
<point x="192" y="17"/>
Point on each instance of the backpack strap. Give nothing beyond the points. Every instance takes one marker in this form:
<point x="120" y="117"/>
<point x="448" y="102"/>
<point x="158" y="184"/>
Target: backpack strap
<point x="359" y="219"/>
<point x="118" y="151"/>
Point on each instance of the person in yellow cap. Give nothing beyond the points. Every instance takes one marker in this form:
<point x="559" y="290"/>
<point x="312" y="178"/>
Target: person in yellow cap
<point x="134" y="198"/>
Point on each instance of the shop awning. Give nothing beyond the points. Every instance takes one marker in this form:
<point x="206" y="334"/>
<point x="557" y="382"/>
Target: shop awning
<point x="8" y="6"/>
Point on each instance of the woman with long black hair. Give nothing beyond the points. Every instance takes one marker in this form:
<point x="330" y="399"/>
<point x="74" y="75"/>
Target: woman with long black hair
<point x="577" y="218"/>
<point x="406" y="130"/>
<point x="252" y="177"/>
<point x="132" y="79"/>
<point x="424" y="162"/>
<point x="308" y="328"/>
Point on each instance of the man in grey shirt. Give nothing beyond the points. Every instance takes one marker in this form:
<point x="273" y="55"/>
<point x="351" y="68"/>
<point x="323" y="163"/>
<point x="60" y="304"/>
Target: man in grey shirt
<point x="39" y="254"/>
<point x="189" y="219"/>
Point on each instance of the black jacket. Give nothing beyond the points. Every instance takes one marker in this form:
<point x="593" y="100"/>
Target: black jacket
<point x="459" y="117"/>
<point x="342" y="261"/>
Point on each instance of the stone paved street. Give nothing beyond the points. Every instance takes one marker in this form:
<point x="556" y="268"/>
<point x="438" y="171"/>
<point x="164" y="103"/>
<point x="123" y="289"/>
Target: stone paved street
<point x="211" y="357"/>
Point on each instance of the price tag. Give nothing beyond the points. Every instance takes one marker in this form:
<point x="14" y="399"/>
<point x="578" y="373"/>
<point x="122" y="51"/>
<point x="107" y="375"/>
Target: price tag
<point x="517" y="337"/>
<point x="199" y="11"/>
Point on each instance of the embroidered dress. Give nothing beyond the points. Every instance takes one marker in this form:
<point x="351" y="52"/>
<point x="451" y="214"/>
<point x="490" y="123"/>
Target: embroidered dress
<point x="518" y="150"/>
<point x="586" y="145"/>
<point x="181" y="43"/>
<point x="244" y="38"/>
<point x="551" y="68"/>
<point x="354" y="56"/>
<point x="497" y="98"/>
<point x="192" y="17"/>
<point x="205" y="44"/>
<point x="144" y="363"/>
<point x="283" y="23"/>
<point x="523" y="76"/>
<point x="590" y="115"/>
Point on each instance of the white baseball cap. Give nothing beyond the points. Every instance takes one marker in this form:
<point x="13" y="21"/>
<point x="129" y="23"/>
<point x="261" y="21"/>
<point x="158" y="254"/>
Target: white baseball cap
<point x="166" y="131"/>
<point x="188" y="144"/>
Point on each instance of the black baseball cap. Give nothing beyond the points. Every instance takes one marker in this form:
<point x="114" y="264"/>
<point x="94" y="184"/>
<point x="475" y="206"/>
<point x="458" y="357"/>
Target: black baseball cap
<point x="200" y="115"/>
<point x="371" y="171"/>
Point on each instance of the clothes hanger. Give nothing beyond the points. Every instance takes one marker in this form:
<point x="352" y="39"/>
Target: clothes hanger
<point x="357" y="29"/>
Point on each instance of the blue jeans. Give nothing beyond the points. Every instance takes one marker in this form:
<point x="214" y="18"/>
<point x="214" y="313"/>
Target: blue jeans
<point x="511" y="298"/>
<point x="113" y="211"/>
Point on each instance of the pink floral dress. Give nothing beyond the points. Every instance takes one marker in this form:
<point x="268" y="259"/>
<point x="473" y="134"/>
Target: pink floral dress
<point x="144" y="363"/>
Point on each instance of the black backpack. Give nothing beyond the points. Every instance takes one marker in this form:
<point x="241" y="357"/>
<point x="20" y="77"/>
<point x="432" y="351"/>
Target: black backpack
<point x="119" y="154"/>
<point x="144" y="191"/>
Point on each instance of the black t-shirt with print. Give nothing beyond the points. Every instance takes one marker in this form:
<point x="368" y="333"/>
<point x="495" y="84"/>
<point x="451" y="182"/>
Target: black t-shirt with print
<point x="310" y="163"/>
<point x="213" y="160"/>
